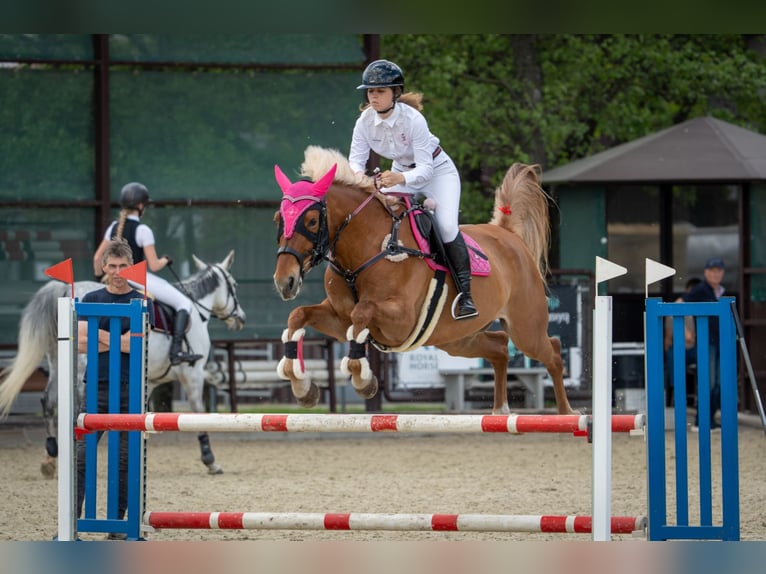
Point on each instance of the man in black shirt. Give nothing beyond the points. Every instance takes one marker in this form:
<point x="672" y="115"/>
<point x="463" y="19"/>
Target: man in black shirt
<point x="116" y="257"/>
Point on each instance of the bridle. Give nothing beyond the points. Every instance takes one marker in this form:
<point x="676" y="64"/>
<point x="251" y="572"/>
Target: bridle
<point x="320" y="241"/>
<point x="231" y="295"/>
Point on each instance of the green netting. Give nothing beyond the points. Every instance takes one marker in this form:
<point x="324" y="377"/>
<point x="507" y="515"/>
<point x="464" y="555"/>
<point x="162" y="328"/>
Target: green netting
<point x="46" y="152"/>
<point x="238" y="48"/>
<point x="46" y="46"/>
<point x="218" y="135"/>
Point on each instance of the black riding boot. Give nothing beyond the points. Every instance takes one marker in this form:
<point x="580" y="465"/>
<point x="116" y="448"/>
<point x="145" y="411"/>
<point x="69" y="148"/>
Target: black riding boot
<point x="177" y="354"/>
<point x="460" y="265"/>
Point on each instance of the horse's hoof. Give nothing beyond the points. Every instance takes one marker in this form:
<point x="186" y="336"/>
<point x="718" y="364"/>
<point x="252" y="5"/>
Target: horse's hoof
<point x="310" y="399"/>
<point x="48" y="469"/>
<point x="369" y="390"/>
<point x="214" y="469"/>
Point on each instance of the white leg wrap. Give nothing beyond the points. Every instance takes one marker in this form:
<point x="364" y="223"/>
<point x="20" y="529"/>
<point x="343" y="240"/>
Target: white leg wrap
<point x="281" y="368"/>
<point x="299" y="374"/>
<point x="365" y="373"/>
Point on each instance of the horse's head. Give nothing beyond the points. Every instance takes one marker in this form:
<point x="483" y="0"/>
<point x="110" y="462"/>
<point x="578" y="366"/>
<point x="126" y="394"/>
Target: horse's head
<point x="303" y="234"/>
<point x="225" y="303"/>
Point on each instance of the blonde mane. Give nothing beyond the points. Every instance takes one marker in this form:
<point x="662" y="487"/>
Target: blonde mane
<point x="318" y="161"/>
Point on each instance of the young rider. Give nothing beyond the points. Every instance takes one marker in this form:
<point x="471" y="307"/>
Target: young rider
<point x="419" y="164"/>
<point x="134" y="197"/>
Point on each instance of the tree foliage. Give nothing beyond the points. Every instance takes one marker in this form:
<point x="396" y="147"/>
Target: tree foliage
<point x="551" y="99"/>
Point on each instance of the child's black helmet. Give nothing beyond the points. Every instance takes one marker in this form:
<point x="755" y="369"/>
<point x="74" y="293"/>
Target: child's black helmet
<point x="382" y="74"/>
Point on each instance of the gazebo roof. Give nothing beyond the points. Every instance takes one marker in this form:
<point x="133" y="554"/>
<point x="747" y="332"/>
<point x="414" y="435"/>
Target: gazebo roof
<point x="703" y="149"/>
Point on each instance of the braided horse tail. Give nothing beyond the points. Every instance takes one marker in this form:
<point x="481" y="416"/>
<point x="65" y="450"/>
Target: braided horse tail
<point x="521" y="206"/>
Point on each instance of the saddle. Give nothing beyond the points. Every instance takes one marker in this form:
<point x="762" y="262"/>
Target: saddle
<point x="164" y="317"/>
<point x="430" y="242"/>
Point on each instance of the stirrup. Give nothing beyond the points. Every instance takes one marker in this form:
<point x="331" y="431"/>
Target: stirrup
<point x="459" y="312"/>
<point x="184" y="358"/>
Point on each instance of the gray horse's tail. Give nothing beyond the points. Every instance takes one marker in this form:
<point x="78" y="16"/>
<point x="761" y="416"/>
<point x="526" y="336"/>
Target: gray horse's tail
<point x="37" y="335"/>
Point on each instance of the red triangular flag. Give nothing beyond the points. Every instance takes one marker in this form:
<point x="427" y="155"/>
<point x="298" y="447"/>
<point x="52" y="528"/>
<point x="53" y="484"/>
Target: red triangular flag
<point x="63" y="272"/>
<point x="137" y="274"/>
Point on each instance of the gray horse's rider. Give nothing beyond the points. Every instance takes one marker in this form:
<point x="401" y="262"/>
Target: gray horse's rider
<point x="134" y="197"/>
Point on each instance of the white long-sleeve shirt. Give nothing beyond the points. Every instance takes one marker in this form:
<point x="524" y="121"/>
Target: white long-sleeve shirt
<point x="403" y="137"/>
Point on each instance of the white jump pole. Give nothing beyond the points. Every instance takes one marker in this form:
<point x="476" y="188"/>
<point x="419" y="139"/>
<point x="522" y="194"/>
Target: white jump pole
<point x="602" y="403"/>
<point x="66" y="365"/>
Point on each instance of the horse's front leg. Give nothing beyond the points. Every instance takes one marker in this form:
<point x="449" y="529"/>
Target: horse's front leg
<point x="356" y="364"/>
<point x="324" y="319"/>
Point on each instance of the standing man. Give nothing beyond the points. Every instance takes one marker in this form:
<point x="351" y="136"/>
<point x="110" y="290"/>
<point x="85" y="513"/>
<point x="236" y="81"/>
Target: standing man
<point x="710" y="290"/>
<point x="116" y="257"/>
<point x="690" y="345"/>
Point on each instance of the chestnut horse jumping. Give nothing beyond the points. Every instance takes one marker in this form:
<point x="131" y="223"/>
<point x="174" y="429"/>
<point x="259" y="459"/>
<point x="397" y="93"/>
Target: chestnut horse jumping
<point x="381" y="291"/>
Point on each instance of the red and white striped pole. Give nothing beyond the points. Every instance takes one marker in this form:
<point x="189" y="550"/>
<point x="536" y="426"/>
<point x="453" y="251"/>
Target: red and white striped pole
<point x="309" y="422"/>
<point x="400" y="522"/>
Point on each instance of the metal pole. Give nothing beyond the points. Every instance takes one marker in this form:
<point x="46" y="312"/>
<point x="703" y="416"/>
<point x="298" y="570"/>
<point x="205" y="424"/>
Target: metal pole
<point x="67" y="531"/>
<point x="748" y="364"/>
<point x="602" y="412"/>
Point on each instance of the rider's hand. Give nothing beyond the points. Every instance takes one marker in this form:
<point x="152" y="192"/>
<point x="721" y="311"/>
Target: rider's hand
<point x="169" y="260"/>
<point x="390" y="179"/>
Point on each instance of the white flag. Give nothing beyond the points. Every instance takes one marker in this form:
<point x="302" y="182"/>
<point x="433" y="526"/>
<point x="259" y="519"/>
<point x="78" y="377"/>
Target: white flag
<point x="606" y="270"/>
<point x="657" y="271"/>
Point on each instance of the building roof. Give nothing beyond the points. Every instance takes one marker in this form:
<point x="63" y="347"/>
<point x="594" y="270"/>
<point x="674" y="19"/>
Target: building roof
<point x="700" y="150"/>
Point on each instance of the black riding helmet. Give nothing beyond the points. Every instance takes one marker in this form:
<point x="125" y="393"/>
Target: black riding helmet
<point x="382" y="74"/>
<point x="133" y="194"/>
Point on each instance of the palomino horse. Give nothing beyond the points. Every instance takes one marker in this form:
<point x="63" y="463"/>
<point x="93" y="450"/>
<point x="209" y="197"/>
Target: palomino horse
<point x="380" y="290"/>
<point x="212" y="289"/>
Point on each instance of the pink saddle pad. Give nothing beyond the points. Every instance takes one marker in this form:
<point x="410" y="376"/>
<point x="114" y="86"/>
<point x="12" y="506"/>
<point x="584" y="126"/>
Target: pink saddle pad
<point x="479" y="261"/>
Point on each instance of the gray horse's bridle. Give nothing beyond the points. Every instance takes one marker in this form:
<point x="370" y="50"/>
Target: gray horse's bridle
<point x="230" y="295"/>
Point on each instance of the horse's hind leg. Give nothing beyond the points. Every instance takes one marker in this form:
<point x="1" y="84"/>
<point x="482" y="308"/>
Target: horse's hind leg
<point x="492" y="346"/>
<point x="557" y="374"/>
<point x="547" y="350"/>
<point x="48" y="466"/>
<point x="194" y="387"/>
